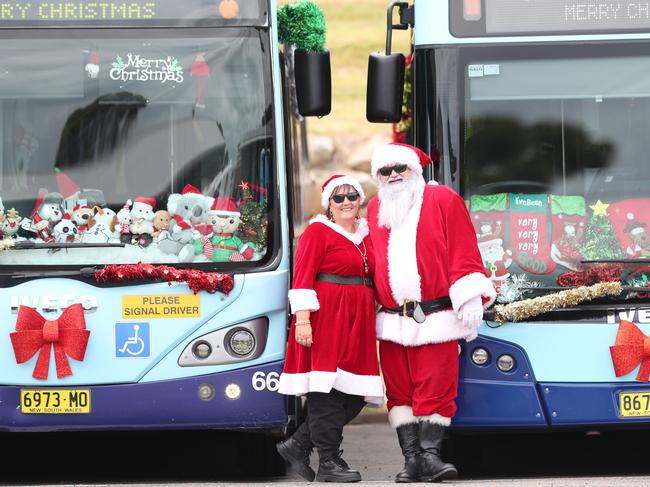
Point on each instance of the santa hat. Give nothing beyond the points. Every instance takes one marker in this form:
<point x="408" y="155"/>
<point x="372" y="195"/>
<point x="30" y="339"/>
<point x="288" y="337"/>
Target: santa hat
<point x="144" y="201"/>
<point x="78" y="207"/>
<point x="224" y="206"/>
<point x="188" y="188"/>
<point x="67" y="216"/>
<point x="127" y="204"/>
<point x="396" y="153"/>
<point x="334" y="182"/>
<point x="634" y="227"/>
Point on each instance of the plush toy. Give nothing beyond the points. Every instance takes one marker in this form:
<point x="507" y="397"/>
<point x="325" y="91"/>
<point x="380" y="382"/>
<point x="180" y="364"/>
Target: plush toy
<point x="47" y="212"/>
<point x="122" y="221"/>
<point x="10" y="223"/>
<point x="222" y="245"/>
<point x="65" y="231"/>
<point x="99" y="226"/>
<point x="161" y="221"/>
<point x="141" y="226"/>
<point x="26" y="229"/>
<point x="187" y="210"/>
<point x="80" y="216"/>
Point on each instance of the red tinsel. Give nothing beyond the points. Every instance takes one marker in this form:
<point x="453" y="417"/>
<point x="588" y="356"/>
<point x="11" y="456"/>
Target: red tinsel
<point x="196" y="280"/>
<point x="592" y="275"/>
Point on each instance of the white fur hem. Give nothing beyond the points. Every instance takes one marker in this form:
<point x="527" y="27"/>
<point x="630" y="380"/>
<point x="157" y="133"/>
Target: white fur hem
<point x="440" y="327"/>
<point x="436" y="419"/>
<point x="356" y="237"/>
<point x="303" y="300"/>
<point x="391" y="155"/>
<point x="401" y="415"/>
<point x="471" y="286"/>
<point x="335" y="183"/>
<point x="369" y="386"/>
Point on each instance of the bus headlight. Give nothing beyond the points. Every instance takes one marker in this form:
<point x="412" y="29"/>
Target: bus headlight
<point x="505" y="363"/>
<point x="206" y="392"/>
<point x="241" y="342"/>
<point x="201" y="350"/>
<point x="232" y="391"/>
<point x="480" y="356"/>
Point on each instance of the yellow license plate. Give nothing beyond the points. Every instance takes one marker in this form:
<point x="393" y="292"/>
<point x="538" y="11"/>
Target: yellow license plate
<point x="55" y="401"/>
<point x="634" y="404"/>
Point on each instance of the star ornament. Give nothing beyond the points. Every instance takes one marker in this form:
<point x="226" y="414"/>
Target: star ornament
<point x="244" y="185"/>
<point x="599" y="208"/>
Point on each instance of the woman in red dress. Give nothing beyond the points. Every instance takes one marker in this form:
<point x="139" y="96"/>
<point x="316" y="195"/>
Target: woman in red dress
<point x="331" y="353"/>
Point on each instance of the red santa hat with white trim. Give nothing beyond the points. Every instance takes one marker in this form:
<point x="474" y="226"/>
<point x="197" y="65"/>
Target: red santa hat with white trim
<point x="397" y="153"/>
<point x="224" y="206"/>
<point x="334" y="182"/>
<point x="144" y="202"/>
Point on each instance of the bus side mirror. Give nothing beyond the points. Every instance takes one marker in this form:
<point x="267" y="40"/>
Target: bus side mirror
<point x="385" y="87"/>
<point x="313" y="82"/>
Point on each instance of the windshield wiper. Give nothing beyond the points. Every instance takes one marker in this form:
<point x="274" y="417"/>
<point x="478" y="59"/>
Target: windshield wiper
<point x="83" y="272"/>
<point x="616" y="261"/>
<point x="29" y="245"/>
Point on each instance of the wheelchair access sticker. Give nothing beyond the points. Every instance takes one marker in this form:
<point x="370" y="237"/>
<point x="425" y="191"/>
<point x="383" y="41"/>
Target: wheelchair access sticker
<point x="132" y="340"/>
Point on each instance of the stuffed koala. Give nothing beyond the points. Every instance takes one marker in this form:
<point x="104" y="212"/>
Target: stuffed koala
<point x="187" y="210"/>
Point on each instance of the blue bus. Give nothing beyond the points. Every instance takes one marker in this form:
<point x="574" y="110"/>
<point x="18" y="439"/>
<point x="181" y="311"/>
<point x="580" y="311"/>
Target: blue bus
<point x="147" y="157"/>
<point x="538" y="113"/>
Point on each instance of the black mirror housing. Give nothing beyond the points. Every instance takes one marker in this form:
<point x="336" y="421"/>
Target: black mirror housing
<point x="313" y="74"/>
<point x="385" y="87"/>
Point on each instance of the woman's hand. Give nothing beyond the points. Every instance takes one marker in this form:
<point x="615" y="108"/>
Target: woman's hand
<point x="303" y="333"/>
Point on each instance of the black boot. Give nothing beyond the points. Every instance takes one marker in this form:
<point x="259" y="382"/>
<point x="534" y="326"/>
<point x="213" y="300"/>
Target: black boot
<point x="409" y="440"/>
<point x="297" y="456"/>
<point x="432" y="468"/>
<point x="332" y="468"/>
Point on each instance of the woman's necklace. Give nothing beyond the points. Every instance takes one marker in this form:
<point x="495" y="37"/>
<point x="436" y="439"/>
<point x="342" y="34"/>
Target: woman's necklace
<point x="363" y="256"/>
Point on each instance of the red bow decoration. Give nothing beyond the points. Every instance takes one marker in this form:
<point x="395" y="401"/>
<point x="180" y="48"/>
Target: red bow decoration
<point x="67" y="334"/>
<point x="631" y="348"/>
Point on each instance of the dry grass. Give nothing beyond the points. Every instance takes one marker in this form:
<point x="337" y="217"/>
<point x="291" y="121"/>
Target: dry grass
<point x="355" y="28"/>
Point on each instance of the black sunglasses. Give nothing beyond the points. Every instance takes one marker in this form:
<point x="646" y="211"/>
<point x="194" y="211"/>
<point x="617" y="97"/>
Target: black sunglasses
<point x="387" y="171"/>
<point x="339" y="198"/>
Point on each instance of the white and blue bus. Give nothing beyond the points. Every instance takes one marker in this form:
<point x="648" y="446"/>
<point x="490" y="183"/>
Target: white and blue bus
<point x="158" y="137"/>
<point x="539" y="112"/>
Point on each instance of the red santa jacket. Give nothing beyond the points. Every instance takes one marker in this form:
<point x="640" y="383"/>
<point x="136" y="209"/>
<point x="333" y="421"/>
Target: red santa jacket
<point x="432" y="254"/>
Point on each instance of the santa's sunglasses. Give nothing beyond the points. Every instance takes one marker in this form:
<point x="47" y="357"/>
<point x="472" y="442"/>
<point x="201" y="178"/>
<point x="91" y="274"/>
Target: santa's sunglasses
<point x="387" y="171"/>
<point x="340" y="198"/>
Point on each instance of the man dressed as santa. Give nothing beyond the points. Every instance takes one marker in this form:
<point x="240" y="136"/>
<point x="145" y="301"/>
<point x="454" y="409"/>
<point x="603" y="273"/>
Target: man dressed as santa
<point x="431" y="285"/>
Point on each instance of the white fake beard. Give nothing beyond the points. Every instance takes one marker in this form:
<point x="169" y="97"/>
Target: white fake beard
<point x="396" y="200"/>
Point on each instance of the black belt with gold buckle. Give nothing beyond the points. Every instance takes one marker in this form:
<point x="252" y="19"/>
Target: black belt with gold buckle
<point x="428" y="307"/>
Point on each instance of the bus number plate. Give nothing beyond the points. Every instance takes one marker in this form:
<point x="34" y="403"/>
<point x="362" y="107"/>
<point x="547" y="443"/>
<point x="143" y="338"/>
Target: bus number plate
<point x="634" y="404"/>
<point x="55" y="401"/>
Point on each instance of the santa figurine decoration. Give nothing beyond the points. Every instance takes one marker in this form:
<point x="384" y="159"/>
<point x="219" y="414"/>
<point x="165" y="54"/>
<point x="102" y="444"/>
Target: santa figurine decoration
<point x="92" y="67"/>
<point x="200" y="71"/>
<point x="141" y="226"/>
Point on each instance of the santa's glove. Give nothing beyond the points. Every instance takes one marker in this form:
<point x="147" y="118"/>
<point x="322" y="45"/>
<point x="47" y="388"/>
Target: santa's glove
<point x="471" y="313"/>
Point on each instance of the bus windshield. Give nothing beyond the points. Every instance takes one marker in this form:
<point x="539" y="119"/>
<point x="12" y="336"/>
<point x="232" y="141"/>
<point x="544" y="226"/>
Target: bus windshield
<point x="556" y="158"/>
<point x="156" y="145"/>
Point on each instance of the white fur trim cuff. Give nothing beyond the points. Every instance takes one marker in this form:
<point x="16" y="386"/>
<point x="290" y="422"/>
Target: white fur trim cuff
<point x="356" y="237"/>
<point x="392" y="155"/>
<point x="440" y="327"/>
<point x="436" y="419"/>
<point x="369" y="386"/>
<point x="471" y="286"/>
<point x="303" y="300"/>
<point x="335" y="183"/>
<point x="401" y="415"/>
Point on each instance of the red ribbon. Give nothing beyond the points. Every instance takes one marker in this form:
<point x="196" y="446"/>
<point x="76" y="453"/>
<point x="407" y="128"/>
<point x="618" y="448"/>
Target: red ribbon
<point x="631" y="348"/>
<point x="67" y="334"/>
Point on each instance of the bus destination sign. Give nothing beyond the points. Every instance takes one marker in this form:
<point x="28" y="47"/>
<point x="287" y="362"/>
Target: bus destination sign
<point x="80" y="11"/>
<point x="526" y="17"/>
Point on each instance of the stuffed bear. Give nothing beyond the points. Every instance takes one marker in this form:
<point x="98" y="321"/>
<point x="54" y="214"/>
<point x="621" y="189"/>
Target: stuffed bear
<point x="161" y="221"/>
<point x="121" y="223"/>
<point x="141" y="226"/>
<point x="10" y="223"/>
<point x="47" y="212"/>
<point x="222" y="245"/>
<point x="187" y="210"/>
<point x="65" y="231"/>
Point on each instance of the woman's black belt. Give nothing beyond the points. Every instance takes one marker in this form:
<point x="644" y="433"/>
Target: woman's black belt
<point x="428" y="307"/>
<point x="336" y="279"/>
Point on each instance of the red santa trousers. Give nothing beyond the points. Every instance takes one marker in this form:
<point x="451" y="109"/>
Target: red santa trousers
<point x="423" y="377"/>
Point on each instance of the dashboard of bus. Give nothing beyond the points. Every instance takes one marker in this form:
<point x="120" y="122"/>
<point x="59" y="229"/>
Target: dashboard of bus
<point x="552" y="154"/>
<point x="137" y="145"/>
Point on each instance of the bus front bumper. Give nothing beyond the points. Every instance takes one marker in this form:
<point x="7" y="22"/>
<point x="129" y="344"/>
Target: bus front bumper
<point x="241" y="399"/>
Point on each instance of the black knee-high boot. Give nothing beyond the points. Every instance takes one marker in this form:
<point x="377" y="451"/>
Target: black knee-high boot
<point x="432" y="468"/>
<point x="409" y="441"/>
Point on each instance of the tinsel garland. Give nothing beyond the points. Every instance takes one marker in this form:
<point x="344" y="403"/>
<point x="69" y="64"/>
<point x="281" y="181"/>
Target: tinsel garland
<point x="6" y="244"/>
<point x="196" y="280"/>
<point x="592" y="275"/>
<point x="514" y="288"/>
<point x="303" y="25"/>
<point x="532" y="307"/>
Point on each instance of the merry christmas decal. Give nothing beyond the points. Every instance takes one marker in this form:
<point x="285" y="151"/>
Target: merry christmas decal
<point x="140" y="68"/>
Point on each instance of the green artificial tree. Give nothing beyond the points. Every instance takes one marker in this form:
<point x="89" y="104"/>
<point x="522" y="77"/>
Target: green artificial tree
<point x="302" y="24"/>
<point x="254" y="220"/>
<point x="600" y="240"/>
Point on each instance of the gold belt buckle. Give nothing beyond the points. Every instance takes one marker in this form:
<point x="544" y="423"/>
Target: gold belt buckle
<point x="406" y="302"/>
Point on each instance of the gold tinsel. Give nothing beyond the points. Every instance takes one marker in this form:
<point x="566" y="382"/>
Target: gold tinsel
<point x="526" y="308"/>
<point x="6" y="244"/>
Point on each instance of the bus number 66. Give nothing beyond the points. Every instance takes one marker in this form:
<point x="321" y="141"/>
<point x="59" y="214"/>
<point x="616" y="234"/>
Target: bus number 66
<point x="268" y="381"/>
